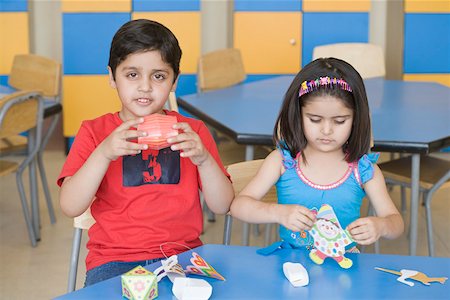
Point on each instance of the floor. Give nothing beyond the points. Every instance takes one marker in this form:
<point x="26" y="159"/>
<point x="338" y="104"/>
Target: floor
<point x="41" y="272"/>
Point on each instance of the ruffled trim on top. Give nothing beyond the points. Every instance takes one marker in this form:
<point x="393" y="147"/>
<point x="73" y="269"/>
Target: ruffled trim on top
<point x="288" y="161"/>
<point x="365" y="166"/>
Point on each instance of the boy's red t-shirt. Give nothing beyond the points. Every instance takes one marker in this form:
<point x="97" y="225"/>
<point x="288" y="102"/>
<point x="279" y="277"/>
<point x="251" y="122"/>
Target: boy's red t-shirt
<point x="144" y="200"/>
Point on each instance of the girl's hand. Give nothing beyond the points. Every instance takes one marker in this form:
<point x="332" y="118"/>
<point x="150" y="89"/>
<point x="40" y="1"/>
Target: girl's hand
<point x="296" y="217"/>
<point x="118" y="142"/>
<point x="366" y="231"/>
<point x="189" y="143"/>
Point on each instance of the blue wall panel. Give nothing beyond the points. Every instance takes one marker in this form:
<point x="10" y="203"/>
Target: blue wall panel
<point x="267" y="5"/>
<point x="86" y="41"/>
<point x="4" y="80"/>
<point x="166" y="5"/>
<point x="329" y="28"/>
<point x="187" y="84"/>
<point x="13" y="5"/>
<point x="427" y="43"/>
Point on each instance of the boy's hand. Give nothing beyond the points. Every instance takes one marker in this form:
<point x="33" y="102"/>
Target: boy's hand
<point x="118" y="142"/>
<point x="189" y="143"/>
<point x="296" y="217"/>
<point x="365" y="231"/>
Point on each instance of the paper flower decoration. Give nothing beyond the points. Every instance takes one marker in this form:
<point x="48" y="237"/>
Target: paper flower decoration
<point x="329" y="238"/>
<point x="159" y="129"/>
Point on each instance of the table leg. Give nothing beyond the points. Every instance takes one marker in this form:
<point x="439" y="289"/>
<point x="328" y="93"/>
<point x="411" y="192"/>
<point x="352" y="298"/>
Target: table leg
<point x="415" y="171"/>
<point x="249" y="155"/>
<point x="249" y="152"/>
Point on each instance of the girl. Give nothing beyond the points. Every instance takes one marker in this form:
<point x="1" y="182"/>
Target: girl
<point x="322" y="136"/>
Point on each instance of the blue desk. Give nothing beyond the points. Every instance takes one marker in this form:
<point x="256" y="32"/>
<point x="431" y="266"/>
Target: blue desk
<point x="252" y="276"/>
<point x="408" y="117"/>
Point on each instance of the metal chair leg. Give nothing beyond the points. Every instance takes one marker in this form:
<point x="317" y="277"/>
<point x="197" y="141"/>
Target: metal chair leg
<point x="245" y="233"/>
<point x="73" y="267"/>
<point x="41" y="167"/>
<point x="227" y="229"/>
<point x="26" y="212"/>
<point x="427" y="203"/>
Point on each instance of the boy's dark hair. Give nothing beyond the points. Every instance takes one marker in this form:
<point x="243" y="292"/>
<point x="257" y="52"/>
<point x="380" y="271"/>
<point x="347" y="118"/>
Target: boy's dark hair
<point x="288" y="131"/>
<point x="144" y="35"/>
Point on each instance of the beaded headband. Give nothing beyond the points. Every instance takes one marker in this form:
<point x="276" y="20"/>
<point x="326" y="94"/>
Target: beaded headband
<point x="311" y="85"/>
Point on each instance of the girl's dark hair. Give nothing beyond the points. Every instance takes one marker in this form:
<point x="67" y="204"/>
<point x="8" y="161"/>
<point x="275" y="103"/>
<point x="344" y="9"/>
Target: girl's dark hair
<point x="288" y="131"/>
<point x="144" y="35"/>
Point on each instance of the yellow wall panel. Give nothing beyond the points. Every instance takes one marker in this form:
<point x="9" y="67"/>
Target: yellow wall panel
<point x="96" y="5"/>
<point x="186" y="27"/>
<point x="14" y="38"/>
<point x="336" y="5"/>
<point x="269" y="47"/>
<point x="427" y="6"/>
<point x="439" y="78"/>
<point x="84" y="98"/>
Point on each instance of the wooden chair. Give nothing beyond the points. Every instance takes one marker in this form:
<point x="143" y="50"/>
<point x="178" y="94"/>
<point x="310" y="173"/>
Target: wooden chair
<point x="33" y="72"/>
<point x="241" y="174"/>
<point x="171" y="103"/>
<point x="80" y="223"/>
<point x="19" y="112"/>
<point x="220" y="69"/>
<point x="367" y="59"/>
<point x="434" y="174"/>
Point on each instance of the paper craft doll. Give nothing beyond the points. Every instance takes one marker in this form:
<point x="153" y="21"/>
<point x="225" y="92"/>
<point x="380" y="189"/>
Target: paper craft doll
<point x="415" y="275"/>
<point x="159" y="129"/>
<point x="329" y="238"/>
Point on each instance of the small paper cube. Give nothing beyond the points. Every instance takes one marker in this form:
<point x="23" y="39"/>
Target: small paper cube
<point x="139" y="284"/>
<point x="159" y="129"/>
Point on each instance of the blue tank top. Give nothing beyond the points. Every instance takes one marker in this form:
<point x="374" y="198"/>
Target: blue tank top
<point x="345" y="195"/>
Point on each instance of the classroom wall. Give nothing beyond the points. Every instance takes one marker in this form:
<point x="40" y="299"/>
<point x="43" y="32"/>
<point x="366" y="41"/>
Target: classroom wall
<point x="427" y="41"/>
<point x="13" y="14"/>
<point x="275" y="37"/>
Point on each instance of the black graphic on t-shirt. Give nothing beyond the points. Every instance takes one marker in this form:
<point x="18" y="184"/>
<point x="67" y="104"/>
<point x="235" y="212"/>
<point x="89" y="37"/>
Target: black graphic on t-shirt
<point x="152" y="167"/>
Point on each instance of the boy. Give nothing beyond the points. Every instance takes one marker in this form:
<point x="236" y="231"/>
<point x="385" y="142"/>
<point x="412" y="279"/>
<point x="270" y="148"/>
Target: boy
<point x="135" y="213"/>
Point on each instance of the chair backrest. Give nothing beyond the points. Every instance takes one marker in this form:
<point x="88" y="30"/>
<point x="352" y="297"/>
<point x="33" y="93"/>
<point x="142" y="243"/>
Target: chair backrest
<point x="34" y="72"/>
<point x="171" y="103"/>
<point x="242" y="172"/>
<point x="220" y="69"/>
<point x="367" y="59"/>
<point x="19" y="112"/>
<point x="84" y="221"/>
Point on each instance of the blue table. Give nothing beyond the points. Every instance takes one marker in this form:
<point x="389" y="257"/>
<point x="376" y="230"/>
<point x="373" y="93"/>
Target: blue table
<point x="252" y="276"/>
<point x="51" y="109"/>
<point x="407" y="117"/>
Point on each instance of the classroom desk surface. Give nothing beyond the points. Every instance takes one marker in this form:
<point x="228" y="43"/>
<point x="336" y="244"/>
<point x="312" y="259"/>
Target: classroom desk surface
<point x="410" y="117"/>
<point x="252" y="276"/>
<point x="407" y="117"/>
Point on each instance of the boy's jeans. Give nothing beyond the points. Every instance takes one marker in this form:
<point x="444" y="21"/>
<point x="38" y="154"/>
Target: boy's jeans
<point x="113" y="269"/>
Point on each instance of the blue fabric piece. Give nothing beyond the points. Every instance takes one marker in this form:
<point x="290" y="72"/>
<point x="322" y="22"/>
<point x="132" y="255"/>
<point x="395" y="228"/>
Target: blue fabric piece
<point x="365" y="166"/>
<point x="274" y="247"/>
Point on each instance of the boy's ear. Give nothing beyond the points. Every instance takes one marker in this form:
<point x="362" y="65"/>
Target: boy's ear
<point x="112" y="82"/>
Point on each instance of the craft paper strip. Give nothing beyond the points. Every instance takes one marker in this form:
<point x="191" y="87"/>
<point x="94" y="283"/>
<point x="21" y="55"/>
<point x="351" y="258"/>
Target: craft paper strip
<point x="159" y="129"/>
<point x="201" y="267"/>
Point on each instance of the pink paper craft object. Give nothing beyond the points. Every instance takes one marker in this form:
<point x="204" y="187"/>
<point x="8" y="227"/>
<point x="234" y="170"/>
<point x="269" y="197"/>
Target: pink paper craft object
<point x="159" y="129"/>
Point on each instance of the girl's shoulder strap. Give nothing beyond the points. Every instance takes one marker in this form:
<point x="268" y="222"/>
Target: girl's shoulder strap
<point x="363" y="168"/>
<point x="288" y="161"/>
